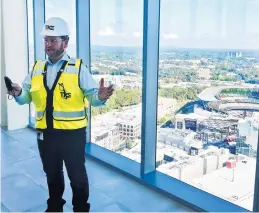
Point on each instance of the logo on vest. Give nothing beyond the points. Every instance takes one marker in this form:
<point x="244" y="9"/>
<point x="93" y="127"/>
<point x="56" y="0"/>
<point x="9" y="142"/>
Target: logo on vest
<point x="63" y="93"/>
<point x="49" y="27"/>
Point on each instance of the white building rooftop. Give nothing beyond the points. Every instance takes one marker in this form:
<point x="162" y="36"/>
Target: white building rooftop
<point x="219" y="182"/>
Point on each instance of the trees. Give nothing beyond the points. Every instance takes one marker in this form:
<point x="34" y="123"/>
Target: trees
<point x="121" y="98"/>
<point x="167" y="118"/>
<point x="130" y="143"/>
<point x="128" y="97"/>
<point x="162" y="120"/>
<point x="237" y="91"/>
<point x="180" y="93"/>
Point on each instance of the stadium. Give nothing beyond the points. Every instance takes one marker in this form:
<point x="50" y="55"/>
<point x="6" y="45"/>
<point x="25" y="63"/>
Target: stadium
<point x="222" y="116"/>
<point x="237" y="101"/>
<point x="230" y="100"/>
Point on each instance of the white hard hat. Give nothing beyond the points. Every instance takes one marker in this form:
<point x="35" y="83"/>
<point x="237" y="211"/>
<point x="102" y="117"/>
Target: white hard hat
<point x="55" y="27"/>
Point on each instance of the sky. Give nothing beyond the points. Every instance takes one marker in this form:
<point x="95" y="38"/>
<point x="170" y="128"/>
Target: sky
<point x="220" y="24"/>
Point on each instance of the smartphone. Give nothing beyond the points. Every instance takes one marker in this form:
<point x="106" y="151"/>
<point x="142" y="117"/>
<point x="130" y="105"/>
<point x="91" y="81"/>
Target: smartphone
<point x="8" y="84"/>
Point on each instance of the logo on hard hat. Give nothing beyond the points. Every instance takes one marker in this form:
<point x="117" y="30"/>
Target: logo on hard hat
<point x="49" y="27"/>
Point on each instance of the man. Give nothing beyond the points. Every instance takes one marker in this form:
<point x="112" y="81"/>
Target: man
<point x="60" y="89"/>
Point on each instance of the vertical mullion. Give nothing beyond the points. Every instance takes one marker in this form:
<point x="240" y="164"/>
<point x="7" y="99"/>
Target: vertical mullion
<point x="38" y="7"/>
<point x="83" y="45"/>
<point x="150" y="83"/>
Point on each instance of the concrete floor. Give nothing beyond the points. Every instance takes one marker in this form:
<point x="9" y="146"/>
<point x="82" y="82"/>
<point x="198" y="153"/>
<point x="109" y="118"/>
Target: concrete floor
<point x="24" y="187"/>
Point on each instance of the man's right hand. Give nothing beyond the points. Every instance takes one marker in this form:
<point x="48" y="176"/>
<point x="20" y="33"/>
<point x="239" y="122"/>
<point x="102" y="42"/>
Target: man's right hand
<point x="17" y="90"/>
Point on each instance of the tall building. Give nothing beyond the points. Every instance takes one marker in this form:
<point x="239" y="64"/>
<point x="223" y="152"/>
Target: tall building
<point x="107" y="136"/>
<point x="130" y="127"/>
<point x="235" y="54"/>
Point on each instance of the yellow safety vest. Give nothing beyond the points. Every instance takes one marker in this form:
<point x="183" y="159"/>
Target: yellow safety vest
<point x="64" y="106"/>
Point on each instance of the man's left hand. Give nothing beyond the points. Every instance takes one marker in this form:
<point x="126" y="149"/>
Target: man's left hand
<point x="104" y="93"/>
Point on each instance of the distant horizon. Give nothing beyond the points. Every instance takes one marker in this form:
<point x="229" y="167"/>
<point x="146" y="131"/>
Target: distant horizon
<point x="185" y="48"/>
<point x="172" y="48"/>
<point x="179" y="48"/>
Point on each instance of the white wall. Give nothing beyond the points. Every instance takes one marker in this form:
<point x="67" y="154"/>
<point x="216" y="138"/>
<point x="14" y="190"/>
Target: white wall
<point x="15" y="59"/>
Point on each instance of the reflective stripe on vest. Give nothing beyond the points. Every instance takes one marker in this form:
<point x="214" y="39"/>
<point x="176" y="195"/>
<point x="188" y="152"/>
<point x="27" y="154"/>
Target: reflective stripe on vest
<point x="69" y="114"/>
<point x="39" y="114"/>
<point x="60" y="114"/>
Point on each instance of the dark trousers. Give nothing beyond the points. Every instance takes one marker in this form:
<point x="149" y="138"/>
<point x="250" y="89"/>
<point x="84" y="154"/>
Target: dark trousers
<point x="68" y="147"/>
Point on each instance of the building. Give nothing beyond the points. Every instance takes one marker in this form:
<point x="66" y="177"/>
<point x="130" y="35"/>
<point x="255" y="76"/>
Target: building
<point x="188" y="121"/>
<point x="112" y="129"/>
<point x="184" y="171"/>
<point x="236" y="186"/>
<point x="214" y="158"/>
<point x="184" y="140"/>
<point x="130" y="122"/>
<point x="130" y="127"/>
<point x="235" y="54"/>
<point x="215" y="129"/>
<point x="107" y="136"/>
<point x="247" y="141"/>
<point x="131" y="82"/>
<point x="187" y="168"/>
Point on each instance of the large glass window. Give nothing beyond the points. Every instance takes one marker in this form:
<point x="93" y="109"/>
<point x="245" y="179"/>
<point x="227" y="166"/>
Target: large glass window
<point x="208" y="104"/>
<point x="116" y="56"/>
<point x="66" y="10"/>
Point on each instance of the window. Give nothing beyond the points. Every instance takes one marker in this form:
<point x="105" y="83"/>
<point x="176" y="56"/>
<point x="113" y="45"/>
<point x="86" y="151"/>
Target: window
<point x="116" y="56"/>
<point x="208" y="71"/>
<point x="179" y="125"/>
<point x="64" y="9"/>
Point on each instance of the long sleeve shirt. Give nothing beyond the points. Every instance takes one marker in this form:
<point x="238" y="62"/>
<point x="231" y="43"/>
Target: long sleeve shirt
<point x="87" y="83"/>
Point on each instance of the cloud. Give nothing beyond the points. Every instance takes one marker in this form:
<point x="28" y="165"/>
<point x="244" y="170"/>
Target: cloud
<point x="108" y="31"/>
<point x="49" y="5"/>
<point x="206" y="36"/>
<point x="137" y="34"/>
<point x="168" y="36"/>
